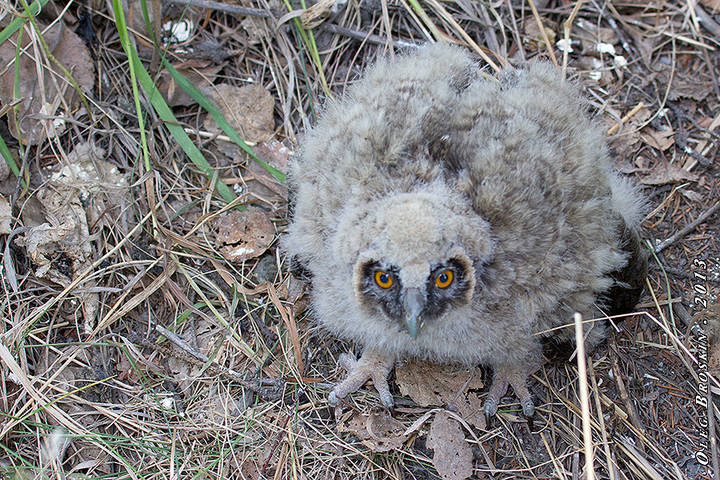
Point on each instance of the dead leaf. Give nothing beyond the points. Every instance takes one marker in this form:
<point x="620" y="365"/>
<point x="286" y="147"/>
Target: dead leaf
<point x="259" y="181"/>
<point x="61" y="247"/>
<point x="296" y="292"/>
<point x="244" y="235"/>
<point x="41" y="111"/>
<point x="713" y="5"/>
<point x="5" y="216"/>
<point x="665" y="172"/>
<point x="259" y="29"/>
<point x="595" y="71"/>
<point x="533" y="37"/>
<point x="199" y="73"/>
<point x="659" y="139"/>
<point x="379" y="431"/>
<point x="248" y="109"/>
<point x="4" y="169"/>
<point x="256" y="28"/>
<point x="136" y="18"/>
<point x="430" y="384"/>
<point x="593" y="33"/>
<point x="692" y="195"/>
<point x="689" y="87"/>
<point x="317" y="13"/>
<point x="453" y="458"/>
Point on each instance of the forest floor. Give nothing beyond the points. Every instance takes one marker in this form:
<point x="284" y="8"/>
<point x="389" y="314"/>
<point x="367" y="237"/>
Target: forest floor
<point x="149" y="327"/>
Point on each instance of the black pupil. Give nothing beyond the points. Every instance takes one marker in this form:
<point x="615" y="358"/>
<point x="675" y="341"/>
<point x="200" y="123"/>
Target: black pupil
<point x="384" y="278"/>
<point x="443" y="277"/>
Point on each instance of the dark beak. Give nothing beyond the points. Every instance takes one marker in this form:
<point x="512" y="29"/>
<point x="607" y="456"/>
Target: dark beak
<point x="413" y="303"/>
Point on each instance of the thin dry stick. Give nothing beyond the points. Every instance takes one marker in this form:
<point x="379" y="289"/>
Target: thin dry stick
<point x="224" y="7"/>
<point x="584" y="398"/>
<point x="687" y="228"/>
<point x="624" y="119"/>
<point x="543" y="33"/>
<point x="603" y="432"/>
<point x="630" y="409"/>
<point x="559" y="469"/>
<point x="465" y="35"/>
<point x="566" y="28"/>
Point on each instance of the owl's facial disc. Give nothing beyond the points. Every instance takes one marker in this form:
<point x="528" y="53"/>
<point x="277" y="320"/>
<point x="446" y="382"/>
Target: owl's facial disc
<point x="415" y="295"/>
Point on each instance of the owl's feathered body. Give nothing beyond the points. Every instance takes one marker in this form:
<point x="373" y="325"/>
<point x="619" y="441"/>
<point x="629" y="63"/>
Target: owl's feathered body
<point x="428" y="166"/>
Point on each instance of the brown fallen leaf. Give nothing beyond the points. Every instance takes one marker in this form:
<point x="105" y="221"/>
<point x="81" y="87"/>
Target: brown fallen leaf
<point x="244" y="235"/>
<point x="296" y="292"/>
<point x="4" y="169"/>
<point x="591" y="32"/>
<point x="659" y="139"/>
<point x="430" y="384"/>
<point x="87" y="191"/>
<point x="248" y="109"/>
<point x="453" y="458"/>
<point x="379" y="431"/>
<point x="41" y="111"/>
<point x="689" y="86"/>
<point x="532" y="36"/>
<point x="665" y="172"/>
<point x="259" y="181"/>
<point x="199" y="73"/>
<point x="5" y="216"/>
<point x="692" y="195"/>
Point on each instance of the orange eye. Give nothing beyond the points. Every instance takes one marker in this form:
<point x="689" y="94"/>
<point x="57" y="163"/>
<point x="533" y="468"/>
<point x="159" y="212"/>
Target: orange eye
<point x="444" y="279"/>
<point x="383" y="279"/>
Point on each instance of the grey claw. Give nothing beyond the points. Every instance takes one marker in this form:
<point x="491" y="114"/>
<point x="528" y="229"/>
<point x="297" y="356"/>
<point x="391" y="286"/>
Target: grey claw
<point x="387" y="399"/>
<point x="333" y="400"/>
<point x="527" y="407"/>
<point x="490" y="408"/>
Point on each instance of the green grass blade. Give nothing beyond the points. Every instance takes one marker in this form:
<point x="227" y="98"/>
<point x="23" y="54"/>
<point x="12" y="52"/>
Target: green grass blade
<point x="185" y="84"/>
<point x="15" y="25"/>
<point x="162" y="108"/>
<point x="127" y="46"/>
<point x="5" y="152"/>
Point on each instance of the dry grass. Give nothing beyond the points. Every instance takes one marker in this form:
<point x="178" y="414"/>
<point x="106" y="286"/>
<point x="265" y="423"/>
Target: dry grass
<point x="127" y="393"/>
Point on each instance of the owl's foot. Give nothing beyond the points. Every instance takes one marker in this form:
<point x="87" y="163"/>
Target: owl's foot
<point x="503" y="376"/>
<point x="372" y="365"/>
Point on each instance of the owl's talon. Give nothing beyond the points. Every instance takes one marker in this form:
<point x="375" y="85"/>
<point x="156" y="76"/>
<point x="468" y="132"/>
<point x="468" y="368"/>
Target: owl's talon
<point x="503" y="377"/>
<point x="491" y="406"/>
<point x="371" y="366"/>
<point x="385" y="396"/>
<point x="528" y="407"/>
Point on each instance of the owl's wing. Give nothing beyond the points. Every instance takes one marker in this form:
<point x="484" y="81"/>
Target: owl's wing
<point x="630" y="280"/>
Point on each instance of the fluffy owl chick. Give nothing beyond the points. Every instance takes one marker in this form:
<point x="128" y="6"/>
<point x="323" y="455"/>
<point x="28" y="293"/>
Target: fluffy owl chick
<point x="450" y="216"/>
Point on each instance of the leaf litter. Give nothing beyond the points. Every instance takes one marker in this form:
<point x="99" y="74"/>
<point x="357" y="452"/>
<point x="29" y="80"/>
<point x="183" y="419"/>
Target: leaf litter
<point x="453" y="457"/>
<point x="46" y="97"/>
<point x="244" y="235"/>
<point x="430" y="385"/>
<point x="248" y="109"/>
<point x="78" y="197"/>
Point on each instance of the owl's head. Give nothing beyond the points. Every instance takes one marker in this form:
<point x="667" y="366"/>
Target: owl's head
<point x="417" y="256"/>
